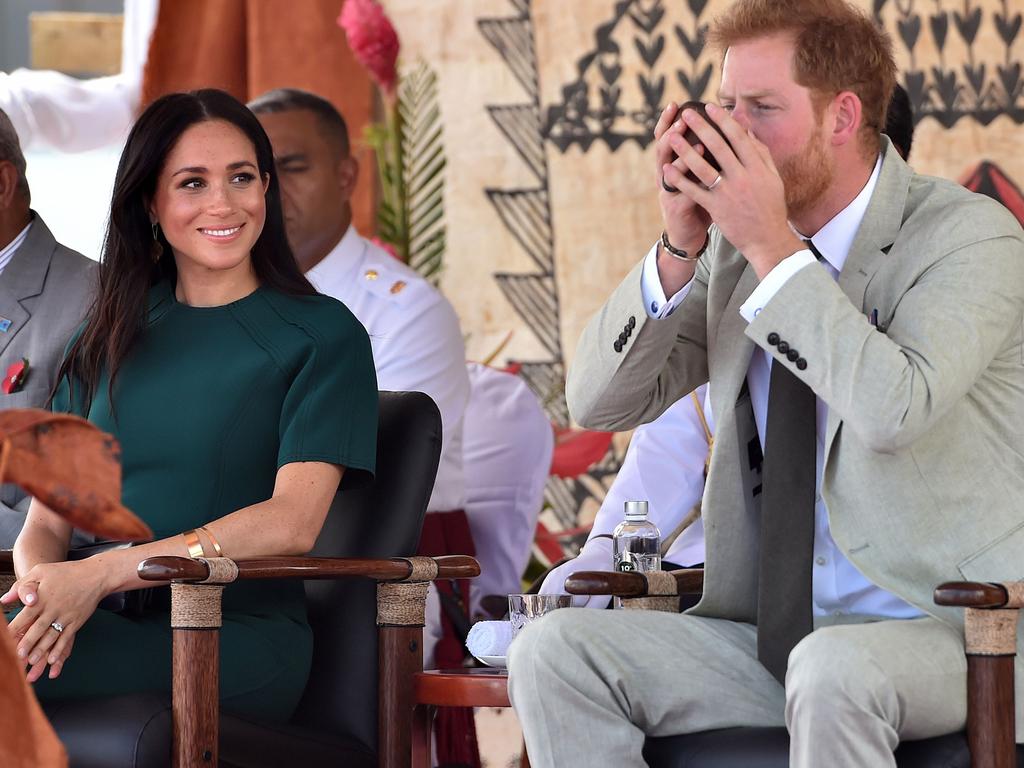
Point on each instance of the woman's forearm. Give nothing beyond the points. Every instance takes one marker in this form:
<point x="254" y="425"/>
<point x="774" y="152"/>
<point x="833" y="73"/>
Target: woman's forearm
<point x="286" y="524"/>
<point x="43" y="539"/>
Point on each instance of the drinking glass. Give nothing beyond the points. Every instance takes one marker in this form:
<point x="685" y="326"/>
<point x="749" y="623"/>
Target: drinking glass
<point x="522" y="609"/>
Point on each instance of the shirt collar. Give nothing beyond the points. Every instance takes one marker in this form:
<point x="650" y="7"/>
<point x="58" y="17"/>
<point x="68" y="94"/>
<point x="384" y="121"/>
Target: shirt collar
<point x="340" y="260"/>
<point x="8" y="251"/>
<point x="833" y="240"/>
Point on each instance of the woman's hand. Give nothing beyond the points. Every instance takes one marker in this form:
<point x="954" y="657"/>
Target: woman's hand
<point x="63" y="593"/>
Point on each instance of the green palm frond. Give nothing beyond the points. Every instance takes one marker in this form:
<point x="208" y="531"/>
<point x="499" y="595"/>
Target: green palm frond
<point x="419" y="112"/>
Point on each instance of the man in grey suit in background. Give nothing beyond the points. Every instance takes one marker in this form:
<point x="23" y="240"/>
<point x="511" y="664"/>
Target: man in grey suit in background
<point x="45" y="290"/>
<point x="864" y="327"/>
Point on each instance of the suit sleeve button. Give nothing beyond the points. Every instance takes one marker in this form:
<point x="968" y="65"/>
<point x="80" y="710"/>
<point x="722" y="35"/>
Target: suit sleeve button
<point x="618" y="346"/>
<point x="773" y="338"/>
<point x="632" y="322"/>
<point x="793" y="355"/>
<point x="801" y="363"/>
<point x="783" y="347"/>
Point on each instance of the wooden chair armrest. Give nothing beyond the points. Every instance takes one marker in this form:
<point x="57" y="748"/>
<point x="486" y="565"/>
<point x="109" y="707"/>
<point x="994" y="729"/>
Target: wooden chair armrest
<point x="689" y="581"/>
<point x="385" y="570"/>
<point x="990" y="639"/>
<point x="977" y="594"/>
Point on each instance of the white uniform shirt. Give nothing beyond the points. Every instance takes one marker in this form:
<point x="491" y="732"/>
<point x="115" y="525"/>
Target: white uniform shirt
<point x="508" y="442"/>
<point x="416" y="340"/>
<point x="838" y="588"/>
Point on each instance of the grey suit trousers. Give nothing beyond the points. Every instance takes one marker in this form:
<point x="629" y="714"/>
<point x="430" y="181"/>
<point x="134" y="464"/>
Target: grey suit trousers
<point x="589" y="685"/>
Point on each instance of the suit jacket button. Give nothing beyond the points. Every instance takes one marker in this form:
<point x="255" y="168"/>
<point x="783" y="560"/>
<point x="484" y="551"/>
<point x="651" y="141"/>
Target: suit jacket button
<point x="801" y="363"/>
<point x="623" y="337"/>
<point x="792" y="355"/>
<point x="632" y="322"/>
<point x="618" y="346"/>
<point x="773" y="338"/>
<point x="783" y="347"/>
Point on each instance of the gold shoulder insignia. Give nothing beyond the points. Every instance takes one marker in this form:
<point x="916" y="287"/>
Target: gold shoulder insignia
<point x="371" y="274"/>
<point x="398" y="286"/>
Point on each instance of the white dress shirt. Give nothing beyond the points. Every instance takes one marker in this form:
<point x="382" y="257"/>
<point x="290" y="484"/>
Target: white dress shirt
<point x="8" y="251"/>
<point x="838" y="587"/>
<point x="416" y="340"/>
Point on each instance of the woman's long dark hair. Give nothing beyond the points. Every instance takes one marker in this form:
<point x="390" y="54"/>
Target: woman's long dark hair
<point x="128" y="271"/>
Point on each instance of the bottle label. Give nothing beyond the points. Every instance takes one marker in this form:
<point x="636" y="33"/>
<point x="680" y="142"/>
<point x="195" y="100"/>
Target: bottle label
<point x="627" y="562"/>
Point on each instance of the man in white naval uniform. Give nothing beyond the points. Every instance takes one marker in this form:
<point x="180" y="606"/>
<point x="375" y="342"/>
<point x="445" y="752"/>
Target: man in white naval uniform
<point x="415" y="335"/>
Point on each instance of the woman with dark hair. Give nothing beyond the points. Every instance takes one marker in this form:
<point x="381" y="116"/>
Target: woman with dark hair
<point x="240" y="397"/>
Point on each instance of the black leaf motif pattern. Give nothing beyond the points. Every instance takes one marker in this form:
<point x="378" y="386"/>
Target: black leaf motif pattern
<point x="976" y="77"/>
<point x="1008" y="28"/>
<point x="695" y="46"/>
<point x="968" y="24"/>
<point x="695" y="88"/>
<point x="1009" y="76"/>
<point x="940" y="26"/>
<point x="910" y="29"/>
<point x="946" y="87"/>
<point x="647" y="20"/>
<point x="982" y="86"/>
<point x="650" y="53"/>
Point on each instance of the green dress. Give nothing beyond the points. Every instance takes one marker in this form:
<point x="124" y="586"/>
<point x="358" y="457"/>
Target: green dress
<point x="210" y="402"/>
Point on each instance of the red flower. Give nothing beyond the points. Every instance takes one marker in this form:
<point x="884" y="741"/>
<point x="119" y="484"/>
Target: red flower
<point x="372" y="39"/>
<point x="14" y="379"/>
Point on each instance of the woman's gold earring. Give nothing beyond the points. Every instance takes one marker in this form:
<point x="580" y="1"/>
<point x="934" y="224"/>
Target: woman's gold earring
<point x="157" y="250"/>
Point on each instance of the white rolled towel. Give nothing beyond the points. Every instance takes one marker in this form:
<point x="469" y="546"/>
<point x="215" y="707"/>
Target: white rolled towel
<point x="489" y="638"/>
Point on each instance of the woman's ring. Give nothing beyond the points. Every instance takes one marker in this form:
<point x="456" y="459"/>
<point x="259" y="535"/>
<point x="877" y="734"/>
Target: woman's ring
<point x="715" y="183"/>
<point x="57" y="626"/>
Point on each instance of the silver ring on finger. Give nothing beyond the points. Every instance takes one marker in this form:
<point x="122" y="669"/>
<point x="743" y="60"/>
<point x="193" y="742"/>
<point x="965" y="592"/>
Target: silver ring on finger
<point x="715" y="183"/>
<point x="57" y="626"/>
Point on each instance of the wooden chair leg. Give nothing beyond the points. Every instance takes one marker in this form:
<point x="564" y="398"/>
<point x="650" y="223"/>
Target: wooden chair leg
<point x="400" y="656"/>
<point x="195" y="677"/>
<point x="990" y="711"/>
<point x="422" y="727"/>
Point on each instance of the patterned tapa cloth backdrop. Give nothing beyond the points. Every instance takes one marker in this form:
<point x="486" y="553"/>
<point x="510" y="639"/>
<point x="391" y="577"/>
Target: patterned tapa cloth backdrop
<point x="548" y="109"/>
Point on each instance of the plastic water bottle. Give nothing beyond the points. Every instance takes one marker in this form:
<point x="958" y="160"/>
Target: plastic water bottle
<point x="636" y="541"/>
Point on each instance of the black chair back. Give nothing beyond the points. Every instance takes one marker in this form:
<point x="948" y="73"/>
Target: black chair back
<point x="381" y="519"/>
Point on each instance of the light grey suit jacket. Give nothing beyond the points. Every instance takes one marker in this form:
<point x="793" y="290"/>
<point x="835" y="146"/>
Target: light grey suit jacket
<point x="45" y="291"/>
<point x="924" y="453"/>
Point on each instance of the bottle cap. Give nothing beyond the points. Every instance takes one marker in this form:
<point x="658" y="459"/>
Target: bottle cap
<point x="636" y="510"/>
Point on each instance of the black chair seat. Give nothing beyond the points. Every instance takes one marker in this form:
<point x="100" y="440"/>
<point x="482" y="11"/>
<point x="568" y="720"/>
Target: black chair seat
<point x="252" y="744"/>
<point x="769" y="748"/>
<point x="115" y="732"/>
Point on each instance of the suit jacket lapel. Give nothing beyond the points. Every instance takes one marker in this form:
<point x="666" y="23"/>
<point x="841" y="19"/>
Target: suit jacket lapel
<point x="734" y="360"/>
<point x="876" y="234"/>
<point x="23" y="278"/>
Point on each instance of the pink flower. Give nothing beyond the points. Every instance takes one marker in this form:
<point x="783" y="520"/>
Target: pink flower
<point x="389" y="247"/>
<point x="372" y="39"/>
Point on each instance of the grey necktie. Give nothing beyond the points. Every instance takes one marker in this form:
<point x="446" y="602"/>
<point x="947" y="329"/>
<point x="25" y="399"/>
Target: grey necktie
<point x="787" y="518"/>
